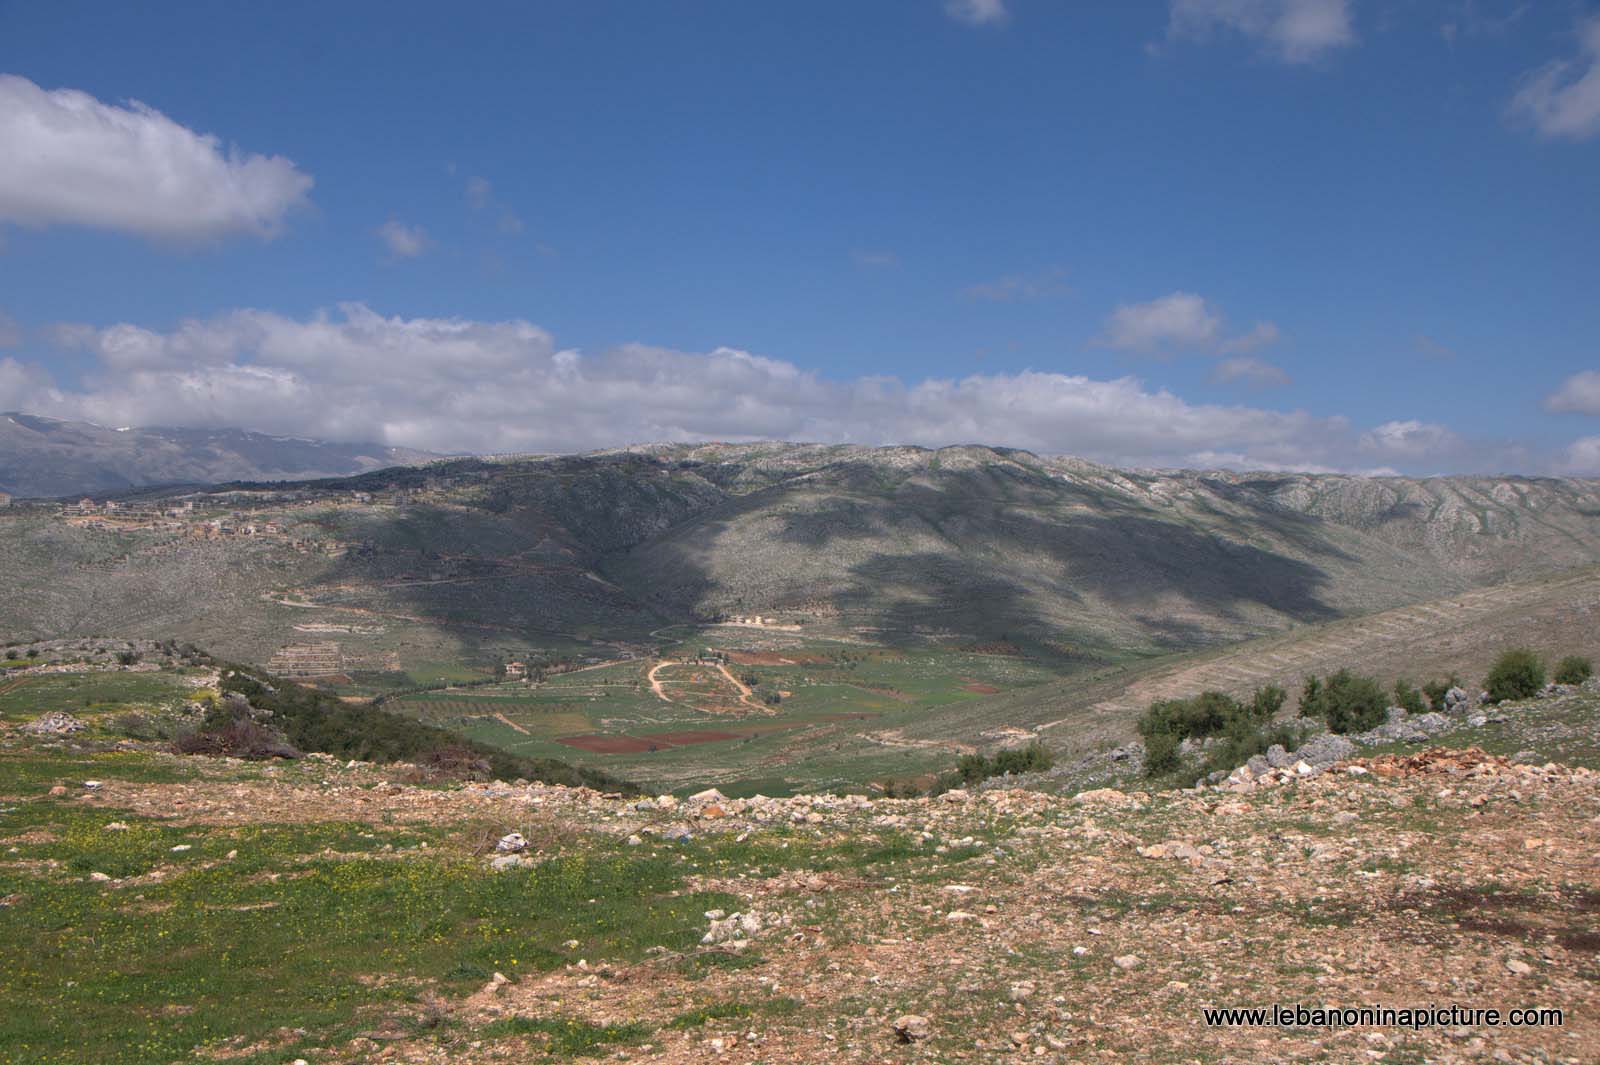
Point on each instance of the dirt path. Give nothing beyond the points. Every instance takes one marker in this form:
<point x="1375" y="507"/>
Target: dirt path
<point x="504" y="720"/>
<point x="655" y="681"/>
<point x="746" y="696"/>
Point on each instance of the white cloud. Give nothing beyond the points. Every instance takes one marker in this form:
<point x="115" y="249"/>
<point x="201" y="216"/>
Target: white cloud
<point x="1244" y="369"/>
<point x="451" y="384"/>
<point x="1562" y="98"/>
<point x="403" y="241"/>
<point x="1181" y="320"/>
<point x="1017" y="288"/>
<point x="1294" y="31"/>
<point x="1261" y="335"/>
<point x="977" y="12"/>
<point x="1578" y="394"/>
<point x="1411" y="440"/>
<point x="71" y="160"/>
<point x="1582" y="458"/>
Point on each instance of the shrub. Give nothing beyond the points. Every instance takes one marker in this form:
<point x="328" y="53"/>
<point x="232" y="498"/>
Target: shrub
<point x="1204" y="715"/>
<point x="1266" y="702"/>
<point x="1161" y="754"/>
<point x="455" y="762"/>
<point x="1574" y="669"/>
<point x="127" y="658"/>
<point x="1345" y="702"/>
<point x="1408" y="698"/>
<point x="1169" y="722"/>
<point x="240" y="738"/>
<point x="1517" y="674"/>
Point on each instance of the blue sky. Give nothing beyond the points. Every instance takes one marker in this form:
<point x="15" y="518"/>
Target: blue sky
<point x="1303" y="233"/>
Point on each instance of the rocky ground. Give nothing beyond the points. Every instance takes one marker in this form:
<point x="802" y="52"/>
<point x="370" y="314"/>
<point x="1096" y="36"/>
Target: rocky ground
<point x="835" y="928"/>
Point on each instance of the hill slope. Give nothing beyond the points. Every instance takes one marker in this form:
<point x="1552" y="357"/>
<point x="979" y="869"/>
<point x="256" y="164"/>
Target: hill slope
<point x="1083" y="562"/>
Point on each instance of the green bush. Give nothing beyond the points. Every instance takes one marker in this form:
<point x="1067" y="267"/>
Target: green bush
<point x="1204" y="715"/>
<point x="1517" y="674"/>
<point x="1408" y="698"/>
<point x="1345" y="702"/>
<point x="1161" y="754"/>
<point x="1241" y="727"/>
<point x="1574" y="669"/>
<point x="1266" y="702"/>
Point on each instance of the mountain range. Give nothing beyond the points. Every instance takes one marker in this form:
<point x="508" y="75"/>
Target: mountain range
<point x="47" y="457"/>
<point x="901" y="543"/>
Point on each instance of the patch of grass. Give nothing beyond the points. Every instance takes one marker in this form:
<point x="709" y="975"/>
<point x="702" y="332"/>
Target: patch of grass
<point x="308" y="927"/>
<point x="570" y="1036"/>
<point x="734" y="1010"/>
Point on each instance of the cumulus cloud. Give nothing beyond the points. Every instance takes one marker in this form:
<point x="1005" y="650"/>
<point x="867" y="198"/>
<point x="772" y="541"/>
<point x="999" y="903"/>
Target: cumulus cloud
<point x="1562" y="99"/>
<point x="1411" y="440"/>
<point x="977" y="12"/>
<point x="1578" y="394"/>
<point x="403" y="241"/>
<point x="1582" y="457"/>
<point x="1181" y="320"/>
<point x="1018" y="288"/>
<point x="71" y="160"/>
<point x="450" y="384"/>
<point x="1243" y="369"/>
<point x="1293" y="31"/>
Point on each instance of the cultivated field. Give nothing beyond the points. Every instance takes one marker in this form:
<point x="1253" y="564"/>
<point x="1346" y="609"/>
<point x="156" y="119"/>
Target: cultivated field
<point x="713" y="723"/>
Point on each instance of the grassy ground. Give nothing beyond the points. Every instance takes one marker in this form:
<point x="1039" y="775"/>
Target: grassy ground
<point x="92" y="693"/>
<point x="839" y="706"/>
<point x="195" y="909"/>
<point x="133" y="938"/>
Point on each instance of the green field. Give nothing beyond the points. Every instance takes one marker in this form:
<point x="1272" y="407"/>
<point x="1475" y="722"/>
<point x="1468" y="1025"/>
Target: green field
<point x="838" y="707"/>
<point x="86" y="694"/>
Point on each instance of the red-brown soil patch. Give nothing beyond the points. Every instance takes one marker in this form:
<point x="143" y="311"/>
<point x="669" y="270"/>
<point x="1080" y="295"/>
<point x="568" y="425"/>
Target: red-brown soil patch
<point x="773" y="658"/>
<point x="980" y="687"/>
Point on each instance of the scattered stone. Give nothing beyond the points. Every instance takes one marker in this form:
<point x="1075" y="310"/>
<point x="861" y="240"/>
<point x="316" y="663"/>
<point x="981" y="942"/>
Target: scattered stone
<point x="55" y="723"/>
<point x="912" y="1028"/>
<point x="511" y="843"/>
<point x="1518" y="966"/>
<point x="709" y="795"/>
<point x="501" y="862"/>
<point x="1127" y="961"/>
